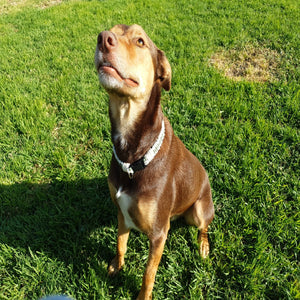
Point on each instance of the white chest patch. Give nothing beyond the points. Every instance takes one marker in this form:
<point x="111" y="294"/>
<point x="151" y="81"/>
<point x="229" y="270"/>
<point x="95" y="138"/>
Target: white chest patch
<point x="125" y="202"/>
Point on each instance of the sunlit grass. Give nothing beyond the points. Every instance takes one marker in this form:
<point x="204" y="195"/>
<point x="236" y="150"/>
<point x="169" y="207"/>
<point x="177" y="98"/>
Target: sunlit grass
<point x="57" y="223"/>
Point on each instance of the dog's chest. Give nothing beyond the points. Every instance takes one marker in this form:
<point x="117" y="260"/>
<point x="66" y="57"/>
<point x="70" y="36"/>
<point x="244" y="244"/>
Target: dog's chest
<point x="125" y="203"/>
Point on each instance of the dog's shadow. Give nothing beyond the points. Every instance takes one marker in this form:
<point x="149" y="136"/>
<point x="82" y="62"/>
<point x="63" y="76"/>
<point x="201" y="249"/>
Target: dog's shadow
<point x="73" y="222"/>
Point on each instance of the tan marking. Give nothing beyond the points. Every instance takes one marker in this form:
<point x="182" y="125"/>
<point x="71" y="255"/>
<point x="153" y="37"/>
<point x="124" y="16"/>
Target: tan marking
<point x="126" y="113"/>
<point x="146" y="214"/>
<point x="131" y="61"/>
<point x="144" y="210"/>
<point x="203" y="243"/>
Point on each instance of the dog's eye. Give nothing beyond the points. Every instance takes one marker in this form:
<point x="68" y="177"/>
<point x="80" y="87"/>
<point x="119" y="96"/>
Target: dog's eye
<point x="140" y="42"/>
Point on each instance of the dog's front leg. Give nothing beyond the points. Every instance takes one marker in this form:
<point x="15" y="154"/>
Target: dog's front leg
<point x="123" y="233"/>
<point x="156" y="250"/>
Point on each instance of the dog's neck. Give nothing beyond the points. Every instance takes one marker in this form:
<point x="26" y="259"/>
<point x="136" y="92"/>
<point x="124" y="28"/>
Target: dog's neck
<point x="135" y="124"/>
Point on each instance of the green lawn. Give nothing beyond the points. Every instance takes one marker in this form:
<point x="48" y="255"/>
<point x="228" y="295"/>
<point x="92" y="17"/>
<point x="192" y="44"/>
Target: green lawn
<point x="57" y="223"/>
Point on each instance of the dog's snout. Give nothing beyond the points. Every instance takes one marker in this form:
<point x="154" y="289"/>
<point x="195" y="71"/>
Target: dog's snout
<point x="107" y="41"/>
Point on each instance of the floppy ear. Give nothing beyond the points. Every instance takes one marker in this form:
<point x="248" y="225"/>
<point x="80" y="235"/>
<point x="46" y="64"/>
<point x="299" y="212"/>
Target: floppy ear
<point x="164" y="72"/>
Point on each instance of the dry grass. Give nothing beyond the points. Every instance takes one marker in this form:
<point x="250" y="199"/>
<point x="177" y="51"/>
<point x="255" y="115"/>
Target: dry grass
<point x="250" y="63"/>
<point x="7" y="6"/>
<point x="49" y="3"/>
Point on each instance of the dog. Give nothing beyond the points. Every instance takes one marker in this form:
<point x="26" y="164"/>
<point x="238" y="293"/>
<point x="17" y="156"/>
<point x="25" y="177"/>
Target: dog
<point x="153" y="178"/>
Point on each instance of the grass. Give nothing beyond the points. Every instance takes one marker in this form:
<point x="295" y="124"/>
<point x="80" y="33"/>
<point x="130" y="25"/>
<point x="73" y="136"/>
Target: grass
<point x="57" y="223"/>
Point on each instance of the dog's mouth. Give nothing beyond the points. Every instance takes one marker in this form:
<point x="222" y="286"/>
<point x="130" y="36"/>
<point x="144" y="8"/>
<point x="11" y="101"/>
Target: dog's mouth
<point x="111" y="71"/>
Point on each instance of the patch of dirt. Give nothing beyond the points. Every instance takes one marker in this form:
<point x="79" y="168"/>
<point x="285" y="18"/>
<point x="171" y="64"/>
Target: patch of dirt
<point x="250" y="64"/>
<point x="46" y="4"/>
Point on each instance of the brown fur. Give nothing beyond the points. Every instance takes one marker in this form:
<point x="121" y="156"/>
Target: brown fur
<point x="174" y="183"/>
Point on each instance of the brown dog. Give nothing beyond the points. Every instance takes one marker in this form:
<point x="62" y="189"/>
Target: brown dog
<point x="153" y="177"/>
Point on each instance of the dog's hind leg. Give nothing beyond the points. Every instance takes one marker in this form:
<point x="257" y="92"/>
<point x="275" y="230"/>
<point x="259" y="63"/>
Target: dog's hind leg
<point x="200" y="214"/>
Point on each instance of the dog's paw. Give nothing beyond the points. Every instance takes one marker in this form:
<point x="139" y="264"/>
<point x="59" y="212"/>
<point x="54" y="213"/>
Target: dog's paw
<point x="112" y="270"/>
<point x="204" y="248"/>
<point x="115" y="266"/>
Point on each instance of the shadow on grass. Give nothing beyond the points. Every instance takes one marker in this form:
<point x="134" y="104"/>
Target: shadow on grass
<point x="73" y="222"/>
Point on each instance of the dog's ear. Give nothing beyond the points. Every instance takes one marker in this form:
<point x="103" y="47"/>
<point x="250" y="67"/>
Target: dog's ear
<point x="164" y="72"/>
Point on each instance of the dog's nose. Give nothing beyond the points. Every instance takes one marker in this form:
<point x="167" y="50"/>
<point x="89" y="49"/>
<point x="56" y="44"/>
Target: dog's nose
<point x="107" y="41"/>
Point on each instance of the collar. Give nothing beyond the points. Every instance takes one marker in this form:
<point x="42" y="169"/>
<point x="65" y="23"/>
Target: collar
<point x="141" y="163"/>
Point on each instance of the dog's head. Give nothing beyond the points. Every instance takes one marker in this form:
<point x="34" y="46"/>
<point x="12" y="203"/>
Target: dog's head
<point x="129" y="63"/>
